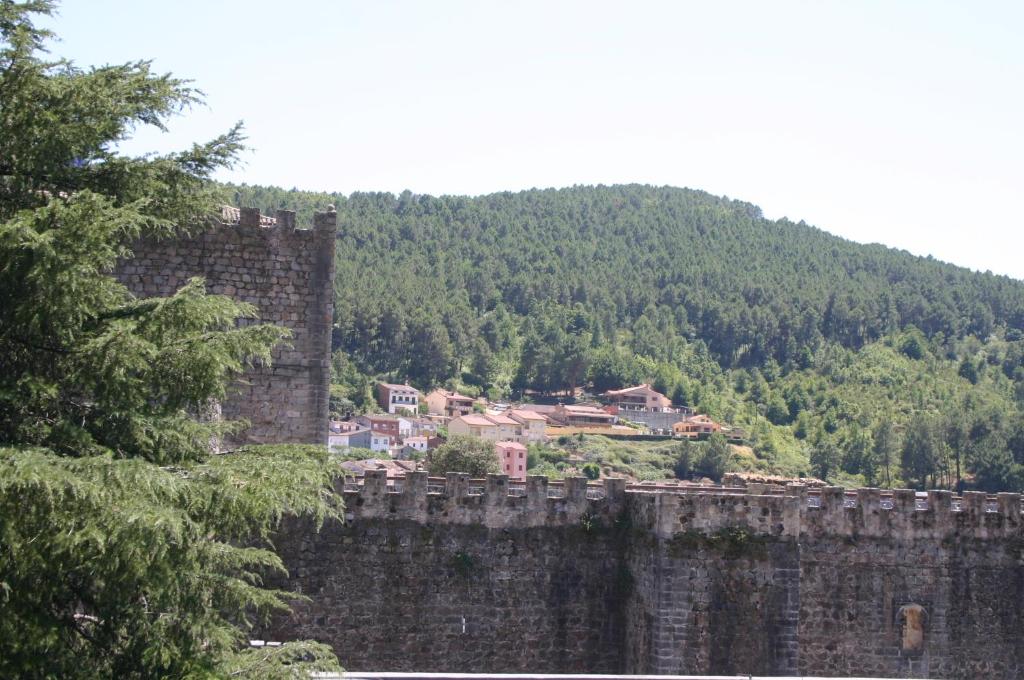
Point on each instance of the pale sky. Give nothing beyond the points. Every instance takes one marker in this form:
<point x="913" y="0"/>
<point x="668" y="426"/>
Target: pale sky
<point x="891" y="122"/>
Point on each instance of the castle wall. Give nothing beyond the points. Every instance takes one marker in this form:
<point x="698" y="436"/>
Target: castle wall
<point x="962" y="568"/>
<point x="555" y="578"/>
<point x="288" y="274"/>
<point x="461" y="582"/>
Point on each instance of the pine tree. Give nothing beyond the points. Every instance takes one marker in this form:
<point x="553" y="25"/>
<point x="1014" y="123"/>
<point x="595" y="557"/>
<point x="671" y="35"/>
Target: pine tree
<point x="127" y="549"/>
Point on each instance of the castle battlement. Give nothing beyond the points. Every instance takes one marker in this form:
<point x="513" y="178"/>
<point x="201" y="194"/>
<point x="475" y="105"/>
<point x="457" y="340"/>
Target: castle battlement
<point x="794" y="511"/>
<point x="287" y="274"/>
<point x="283" y="221"/>
<point x="494" y="502"/>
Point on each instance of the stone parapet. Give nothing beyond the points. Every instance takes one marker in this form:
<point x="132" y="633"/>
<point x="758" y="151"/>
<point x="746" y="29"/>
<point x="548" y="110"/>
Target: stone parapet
<point x="831" y="511"/>
<point x="494" y="502"/>
<point x="794" y="511"/>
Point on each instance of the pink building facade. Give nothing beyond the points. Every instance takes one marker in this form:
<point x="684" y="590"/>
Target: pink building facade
<point x="512" y="457"/>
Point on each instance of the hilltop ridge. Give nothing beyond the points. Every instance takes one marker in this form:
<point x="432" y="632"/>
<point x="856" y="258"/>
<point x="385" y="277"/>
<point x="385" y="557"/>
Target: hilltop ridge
<point x="813" y="342"/>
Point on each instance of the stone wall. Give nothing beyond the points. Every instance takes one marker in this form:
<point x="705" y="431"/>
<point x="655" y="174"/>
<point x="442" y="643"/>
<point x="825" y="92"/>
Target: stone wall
<point x="461" y="575"/>
<point x="288" y="274"/>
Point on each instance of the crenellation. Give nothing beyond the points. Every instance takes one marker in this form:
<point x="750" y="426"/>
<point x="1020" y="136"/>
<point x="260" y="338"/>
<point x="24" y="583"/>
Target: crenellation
<point x="249" y="217"/>
<point x="496" y="490"/>
<point x="285" y="220"/>
<point x="795" y="511"/>
<point x="288" y="275"/>
<point x="940" y="502"/>
<point x="1009" y="506"/>
<point x="576" y="490"/>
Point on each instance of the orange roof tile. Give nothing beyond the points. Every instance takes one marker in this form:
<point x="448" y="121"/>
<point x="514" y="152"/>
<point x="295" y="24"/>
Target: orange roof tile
<point x="526" y="415"/>
<point x="475" y="419"/>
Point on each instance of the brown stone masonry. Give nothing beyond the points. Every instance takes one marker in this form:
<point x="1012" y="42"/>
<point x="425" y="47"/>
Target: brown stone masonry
<point x="288" y="274"/>
<point x="492" y="575"/>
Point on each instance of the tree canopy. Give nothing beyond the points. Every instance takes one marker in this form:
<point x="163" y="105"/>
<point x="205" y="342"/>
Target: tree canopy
<point x="129" y="549"/>
<point x="809" y="342"/>
<point x="461" y="453"/>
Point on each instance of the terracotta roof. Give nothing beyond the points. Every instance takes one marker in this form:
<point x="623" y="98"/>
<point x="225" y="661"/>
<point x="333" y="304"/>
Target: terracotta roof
<point x="537" y="408"/>
<point x="396" y="386"/>
<point x="510" y="445"/>
<point x="475" y="419"/>
<point x="501" y="420"/>
<point x="627" y="390"/>
<point x="577" y="408"/>
<point x="526" y="415"/>
<point x="232" y="215"/>
<point x="455" y="396"/>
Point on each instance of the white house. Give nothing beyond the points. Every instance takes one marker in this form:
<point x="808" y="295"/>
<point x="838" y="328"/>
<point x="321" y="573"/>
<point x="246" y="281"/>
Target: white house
<point x="418" y="443"/>
<point x="380" y="441"/>
<point x="395" y="398"/>
<point x="533" y="425"/>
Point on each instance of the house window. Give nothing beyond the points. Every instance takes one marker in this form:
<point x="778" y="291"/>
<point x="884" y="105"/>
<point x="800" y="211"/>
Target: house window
<point x="520" y="468"/>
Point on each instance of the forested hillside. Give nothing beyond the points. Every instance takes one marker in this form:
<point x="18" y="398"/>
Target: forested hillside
<point x="857" y="362"/>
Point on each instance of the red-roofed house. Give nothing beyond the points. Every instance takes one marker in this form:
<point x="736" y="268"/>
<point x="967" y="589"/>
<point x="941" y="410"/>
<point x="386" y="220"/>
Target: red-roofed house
<point x="578" y="415"/>
<point x="474" y="425"/>
<point x="491" y="426"/>
<point x="444" y="403"/>
<point x="507" y="427"/>
<point x="638" y="398"/>
<point x="512" y="457"/>
<point x="533" y="424"/>
<point x="695" y="427"/>
<point x="385" y="424"/>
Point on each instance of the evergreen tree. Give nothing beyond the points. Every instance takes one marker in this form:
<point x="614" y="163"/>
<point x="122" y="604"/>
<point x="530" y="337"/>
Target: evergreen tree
<point x="683" y="467"/>
<point x="713" y="461"/>
<point x="129" y="550"/>
<point x="884" y="436"/>
<point x="920" y="456"/>
<point x="825" y="457"/>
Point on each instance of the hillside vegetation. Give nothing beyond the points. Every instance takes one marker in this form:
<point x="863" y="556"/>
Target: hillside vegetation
<point x="854" y="362"/>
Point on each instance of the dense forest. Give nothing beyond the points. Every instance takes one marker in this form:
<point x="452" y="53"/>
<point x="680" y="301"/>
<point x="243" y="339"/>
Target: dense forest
<point x="859" y="363"/>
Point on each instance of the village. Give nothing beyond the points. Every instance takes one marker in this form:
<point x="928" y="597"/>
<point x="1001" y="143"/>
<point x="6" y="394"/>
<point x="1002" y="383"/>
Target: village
<point x="410" y="425"/>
